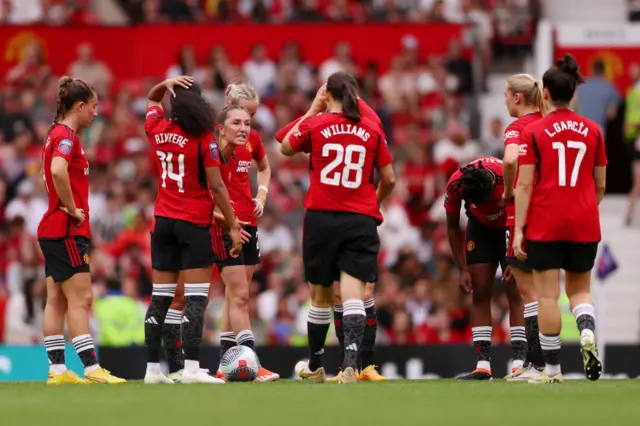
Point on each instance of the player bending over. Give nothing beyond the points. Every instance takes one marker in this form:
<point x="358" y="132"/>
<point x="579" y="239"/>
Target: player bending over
<point x="63" y="235"/>
<point x="367" y="366"/>
<point x="560" y="210"/>
<point x="342" y="213"/>
<point x="189" y="160"/>
<point x="480" y="185"/>
<point x="523" y="97"/>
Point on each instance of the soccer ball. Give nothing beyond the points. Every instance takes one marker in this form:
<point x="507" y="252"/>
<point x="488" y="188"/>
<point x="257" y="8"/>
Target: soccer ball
<point x="239" y="364"/>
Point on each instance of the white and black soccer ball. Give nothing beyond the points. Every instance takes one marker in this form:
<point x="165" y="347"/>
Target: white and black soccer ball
<point x="240" y="364"/>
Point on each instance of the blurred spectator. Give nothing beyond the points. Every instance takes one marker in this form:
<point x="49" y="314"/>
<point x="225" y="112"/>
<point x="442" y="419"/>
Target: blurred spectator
<point x="494" y="142"/>
<point x="92" y="71"/>
<point x="261" y="71"/>
<point x="187" y="65"/>
<point x="603" y="97"/>
<point x="27" y="206"/>
<point x="341" y="61"/>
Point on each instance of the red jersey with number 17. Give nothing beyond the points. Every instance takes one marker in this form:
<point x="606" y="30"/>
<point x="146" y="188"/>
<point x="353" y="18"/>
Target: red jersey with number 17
<point x="343" y="157"/>
<point x="236" y="176"/>
<point x="492" y="213"/>
<point x="512" y="135"/>
<point x="183" y="191"/>
<point x="565" y="147"/>
<point x="63" y="142"/>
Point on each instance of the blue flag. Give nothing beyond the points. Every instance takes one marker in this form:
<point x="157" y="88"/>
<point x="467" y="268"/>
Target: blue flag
<point x="607" y="263"/>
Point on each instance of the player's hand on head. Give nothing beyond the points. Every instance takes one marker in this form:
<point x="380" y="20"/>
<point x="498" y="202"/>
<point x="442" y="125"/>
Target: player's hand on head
<point x="182" y="81"/>
<point x="77" y="214"/>
<point x="464" y="281"/>
<point x="320" y="101"/>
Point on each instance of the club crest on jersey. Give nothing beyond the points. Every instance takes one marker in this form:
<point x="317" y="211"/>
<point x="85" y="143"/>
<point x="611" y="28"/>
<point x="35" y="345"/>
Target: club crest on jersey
<point x="248" y="146"/>
<point x="65" y="146"/>
<point x="86" y="258"/>
<point x="213" y="151"/>
<point x="230" y="176"/>
<point x="471" y="245"/>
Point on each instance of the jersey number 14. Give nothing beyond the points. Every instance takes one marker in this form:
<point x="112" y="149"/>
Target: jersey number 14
<point x="166" y="161"/>
<point x="352" y="159"/>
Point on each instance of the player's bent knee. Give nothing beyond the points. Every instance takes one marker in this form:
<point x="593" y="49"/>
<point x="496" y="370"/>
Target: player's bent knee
<point x="177" y="303"/>
<point x="321" y="296"/>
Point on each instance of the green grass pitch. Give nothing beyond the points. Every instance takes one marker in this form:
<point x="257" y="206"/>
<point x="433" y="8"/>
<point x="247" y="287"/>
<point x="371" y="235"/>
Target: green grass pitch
<point x="394" y="403"/>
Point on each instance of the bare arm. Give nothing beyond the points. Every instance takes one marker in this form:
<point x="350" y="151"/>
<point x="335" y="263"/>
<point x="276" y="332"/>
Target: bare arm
<point x="264" y="177"/>
<point x="510" y="168"/>
<point x="523" y="194"/>
<point x="454" y="233"/>
<point x="600" y="177"/>
<point x="62" y="184"/>
<point x="387" y="183"/>
<point x="221" y="195"/>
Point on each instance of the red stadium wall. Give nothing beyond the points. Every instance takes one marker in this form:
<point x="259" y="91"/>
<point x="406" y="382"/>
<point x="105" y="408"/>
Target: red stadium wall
<point x="134" y="52"/>
<point x="617" y="45"/>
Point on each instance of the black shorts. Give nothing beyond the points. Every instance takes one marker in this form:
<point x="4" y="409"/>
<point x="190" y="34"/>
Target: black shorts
<point x="177" y="245"/>
<point x="222" y="244"/>
<point x="65" y="257"/>
<point x="570" y="256"/>
<point x="484" y="244"/>
<point x="339" y="241"/>
<point x="511" y="259"/>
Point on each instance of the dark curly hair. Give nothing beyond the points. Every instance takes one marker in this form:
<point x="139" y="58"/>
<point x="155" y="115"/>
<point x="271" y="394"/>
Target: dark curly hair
<point x="191" y="112"/>
<point x="476" y="183"/>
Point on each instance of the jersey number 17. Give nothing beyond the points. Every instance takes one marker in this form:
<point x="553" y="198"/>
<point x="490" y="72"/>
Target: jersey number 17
<point x="562" y="161"/>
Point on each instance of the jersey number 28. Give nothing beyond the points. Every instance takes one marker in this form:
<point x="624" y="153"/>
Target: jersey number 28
<point x="562" y="161"/>
<point x="166" y="160"/>
<point x="351" y="158"/>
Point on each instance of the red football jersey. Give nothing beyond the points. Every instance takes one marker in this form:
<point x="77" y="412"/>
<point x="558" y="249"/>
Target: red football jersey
<point x="565" y="147"/>
<point x="365" y="110"/>
<point x="512" y="135"/>
<point x="492" y="213"/>
<point x="64" y="142"/>
<point x="343" y="158"/>
<point x="183" y="190"/>
<point x="236" y="176"/>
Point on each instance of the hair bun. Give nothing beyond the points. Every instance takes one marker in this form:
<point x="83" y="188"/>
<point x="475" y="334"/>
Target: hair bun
<point x="65" y="81"/>
<point x="568" y="64"/>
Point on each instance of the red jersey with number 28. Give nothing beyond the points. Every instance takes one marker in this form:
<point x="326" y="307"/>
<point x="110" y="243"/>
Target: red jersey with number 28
<point x="343" y="157"/>
<point x="183" y="191"/>
<point x="512" y="135"/>
<point x="236" y="176"/>
<point x="565" y="147"/>
<point x="492" y="213"/>
<point x="63" y="142"/>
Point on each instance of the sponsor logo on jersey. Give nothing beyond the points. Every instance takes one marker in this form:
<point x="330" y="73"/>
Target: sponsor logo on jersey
<point x="213" y="151"/>
<point x="523" y="149"/>
<point x="65" y="146"/>
<point x="512" y="134"/>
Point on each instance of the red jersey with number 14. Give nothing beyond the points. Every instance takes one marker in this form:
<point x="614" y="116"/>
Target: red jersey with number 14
<point x="512" y="135"/>
<point x="236" y="176"/>
<point x="492" y="213"/>
<point x="343" y="157"/>
<point x="565" y="147"/>
<point x="183" y="191"/>
<point x="63" y="142"/>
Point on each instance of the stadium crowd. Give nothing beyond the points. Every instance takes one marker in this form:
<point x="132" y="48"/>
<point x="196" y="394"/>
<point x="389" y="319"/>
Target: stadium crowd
<point x="421" y="101"/>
